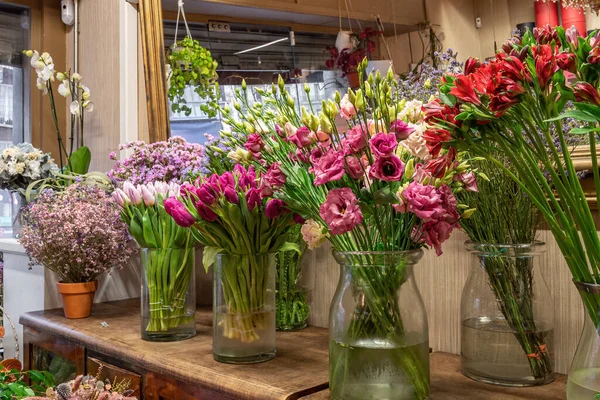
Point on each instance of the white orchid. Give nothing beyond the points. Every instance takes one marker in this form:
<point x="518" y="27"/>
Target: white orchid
<point x="64" y="89"/>
<point x="88" y="106"/>
<point x="76" y="77"/>
<point x="74" y="107"/>
<point x="85" y="92"/>
<point x="41" y="84"/>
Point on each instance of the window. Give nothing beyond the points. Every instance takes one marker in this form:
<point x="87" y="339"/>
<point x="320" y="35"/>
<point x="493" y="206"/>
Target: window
<point x="303" y="62"/>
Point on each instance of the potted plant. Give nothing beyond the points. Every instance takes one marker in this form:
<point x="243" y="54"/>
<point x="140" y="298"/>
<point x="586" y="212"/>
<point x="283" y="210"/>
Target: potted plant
<point x="76" y="233"/>
<point x="190" y="64"/>
<point x="348" y="59"/>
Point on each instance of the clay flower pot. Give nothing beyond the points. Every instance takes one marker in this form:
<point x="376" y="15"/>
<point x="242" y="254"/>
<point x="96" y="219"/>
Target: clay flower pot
<point x="77" y="298"/>
<point x="353" y="81"/>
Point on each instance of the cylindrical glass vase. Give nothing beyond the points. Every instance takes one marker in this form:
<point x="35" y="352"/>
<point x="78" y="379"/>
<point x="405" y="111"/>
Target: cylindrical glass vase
<point x="17" y="202"/>
<point x="168" y="294"/>
<point x="244" y="308"/>
<point x="584" y="374"/>
<point x="507" y="316"/>
<point x="378" y="338"/>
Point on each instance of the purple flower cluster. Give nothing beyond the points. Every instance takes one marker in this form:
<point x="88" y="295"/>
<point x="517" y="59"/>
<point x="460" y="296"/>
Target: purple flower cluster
<point x="169" y="161"/>
<point x="77" y="233"/>
<point x="422" y="83"/>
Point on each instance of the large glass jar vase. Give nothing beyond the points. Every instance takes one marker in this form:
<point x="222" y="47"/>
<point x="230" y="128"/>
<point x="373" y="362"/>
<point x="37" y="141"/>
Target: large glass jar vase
<point x="244" y="308"/>
<point x="507" y="316"/>
<point x="168" y="300"/>
<point x="584" y="374"/>
<point x="378" y="337"/>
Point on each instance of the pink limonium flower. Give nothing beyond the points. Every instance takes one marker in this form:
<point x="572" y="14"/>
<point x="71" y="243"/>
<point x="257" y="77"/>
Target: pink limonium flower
<point x="176" y="209"/>
<point x="329" y="168"/>
<point x="387" y="169"/>
<point x="347" y="110"/>
<point x="341" y="211"/>
<point x="383" y="144"/>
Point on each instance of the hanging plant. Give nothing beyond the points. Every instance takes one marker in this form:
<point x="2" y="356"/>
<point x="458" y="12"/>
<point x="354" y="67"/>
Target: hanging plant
<point x="192" y="65"/>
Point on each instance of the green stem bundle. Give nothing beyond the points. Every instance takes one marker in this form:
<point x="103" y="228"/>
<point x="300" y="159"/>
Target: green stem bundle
<point x="168" y="274"/>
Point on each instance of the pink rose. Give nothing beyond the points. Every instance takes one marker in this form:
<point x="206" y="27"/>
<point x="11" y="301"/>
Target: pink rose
<point x="400" y="129"/>
<point x="387" y="169"/>
<point x="341" y="211"/>
<point x="302" y="137"/>
<point x="328" y="168"/>
<point x="347" y="110"/>
<point x="355" y="139"/>
<point x="383" y="144"/>
<point x="177" y="210"/>
<point x="423" y="200"/>
<point x="356" y="167"/>
<point x="468" y="179"/>
<point x="275" y="208"/>
<point x="254" y="144"/>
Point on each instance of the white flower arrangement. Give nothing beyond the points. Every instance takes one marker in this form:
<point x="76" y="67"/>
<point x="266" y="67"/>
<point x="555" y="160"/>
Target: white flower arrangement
<point x="22" y="164"/>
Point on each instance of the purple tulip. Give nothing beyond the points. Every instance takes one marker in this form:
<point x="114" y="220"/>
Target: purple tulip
<point x="275" y="208"/>
<point x="176" y="209"/>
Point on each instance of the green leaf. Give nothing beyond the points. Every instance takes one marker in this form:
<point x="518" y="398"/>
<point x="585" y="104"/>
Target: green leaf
<point x="582" y="131"/>
<point x="579" y="115"/>
<point x="288" y="246"/>
<point x="80" y="160"/>
<point x="589" y="109"/>
<point x="209" y="256"/>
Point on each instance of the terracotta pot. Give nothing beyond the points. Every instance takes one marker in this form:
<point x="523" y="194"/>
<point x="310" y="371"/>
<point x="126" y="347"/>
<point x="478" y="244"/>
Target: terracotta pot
<point x="77" y="298"/>
<point x="353" y="81"/>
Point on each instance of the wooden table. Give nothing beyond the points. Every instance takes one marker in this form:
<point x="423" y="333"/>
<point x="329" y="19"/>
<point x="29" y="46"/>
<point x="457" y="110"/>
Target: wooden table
<point x="178" y="370"/>
<point x="447" y="383"/>
<point x="186" y="370"/>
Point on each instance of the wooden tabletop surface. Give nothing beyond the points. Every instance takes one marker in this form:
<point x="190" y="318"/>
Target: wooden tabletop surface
<point x="447" y="383"/>
<point x="300" y="367"/>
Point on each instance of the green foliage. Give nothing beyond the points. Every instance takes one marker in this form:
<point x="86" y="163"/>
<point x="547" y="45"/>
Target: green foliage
<point x="505" y="213"/>
<point x="192" y="65"/>
<point x="79" y="161"/>
<point x="13" y="385"/>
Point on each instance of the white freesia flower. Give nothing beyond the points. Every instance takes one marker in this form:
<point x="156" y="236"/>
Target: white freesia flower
<point x="64" y="89"/>
<point x="88" y="106"/>
<point x="74" y="107"/>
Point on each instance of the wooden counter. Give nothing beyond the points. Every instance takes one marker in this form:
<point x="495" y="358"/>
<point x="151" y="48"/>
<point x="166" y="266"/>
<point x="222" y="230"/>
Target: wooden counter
<point x="186" y="370"/>
<point x="300" y="367"/>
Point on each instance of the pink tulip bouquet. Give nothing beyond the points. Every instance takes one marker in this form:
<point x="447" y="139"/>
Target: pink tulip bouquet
<point x="230" y="215"/>
<point x="364" y="175"/>
<point x="169" y="262"/>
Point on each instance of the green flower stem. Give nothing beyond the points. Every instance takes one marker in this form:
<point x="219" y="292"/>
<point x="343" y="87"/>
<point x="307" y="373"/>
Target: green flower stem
<point x="168" y="273"/>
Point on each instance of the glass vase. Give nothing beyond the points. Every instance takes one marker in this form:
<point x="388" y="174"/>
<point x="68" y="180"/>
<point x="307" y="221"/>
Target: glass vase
<point x="507" y="316"/>
<point x="244" y="308"/>
<point x="17" y="202"/>
<point x="584" y="374"/>
<point x="290" y="298"/>
<point x="168" y="301"/>
<point x="378" y="338"/>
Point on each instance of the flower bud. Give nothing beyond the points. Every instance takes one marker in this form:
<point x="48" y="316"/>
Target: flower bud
<point x="306" y="88"/>
<point x="325" y="124"/>
<point x="273" y="88"/>
<point x="280" y="83"/>
<point x="368" y="90"/>
<point x="409" y="168"/>
<point x="133" y="193"/>
<point x="76" y="77"/>
<point x="305" y="117"/>
<point x="147" y="195"/>
<point x="237" y="105"/>
<point x="28" y="53"/>
<point x="427" y="84"/>
<point x="338" y="97"/>
<point x="244" y="85"/>
<point x="60" y="76"/>
<point x="359" y="101"/>
<point x="314" y="123"/>
<point x="290" y="102"/>
<point x="390" y="74"/>
<point x="468" y="213"/>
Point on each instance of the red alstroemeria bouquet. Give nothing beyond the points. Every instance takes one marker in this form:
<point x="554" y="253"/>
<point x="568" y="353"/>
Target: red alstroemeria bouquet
<point x="228" y="215"/>
<point x="374" y="185"/>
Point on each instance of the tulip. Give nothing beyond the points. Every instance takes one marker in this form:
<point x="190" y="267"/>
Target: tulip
<point x="275" y="208"/>
<point x="147" y="196"/>
<point x="121" y="198"/>
<point x="133" y="193"/>
<point x="178" y="212"/>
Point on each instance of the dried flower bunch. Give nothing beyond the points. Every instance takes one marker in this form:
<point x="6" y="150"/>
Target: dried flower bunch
<point x="22" y="164"/>
<point x="76" y="233"/>
<point x="167" y="161"/>
<point x="89" y="388"/>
